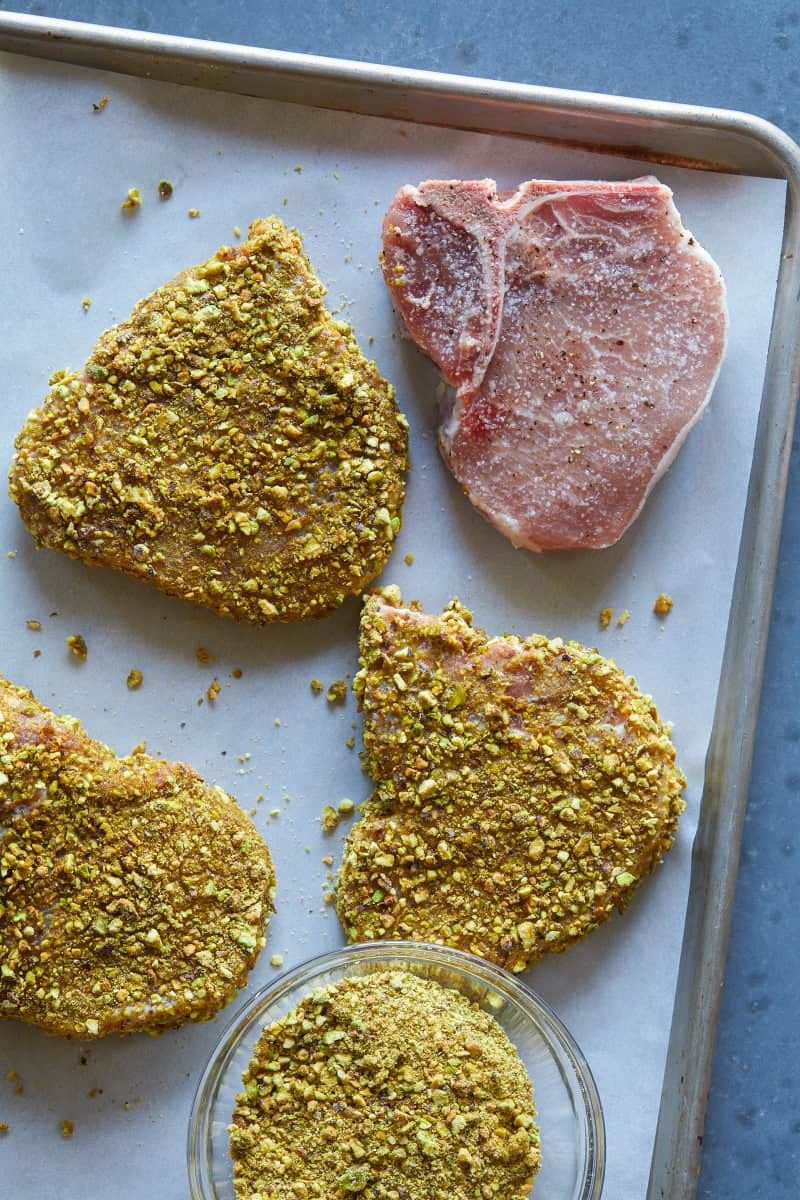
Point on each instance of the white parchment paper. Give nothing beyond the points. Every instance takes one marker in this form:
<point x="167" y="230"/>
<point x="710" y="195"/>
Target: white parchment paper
<point x="65" y="172"/>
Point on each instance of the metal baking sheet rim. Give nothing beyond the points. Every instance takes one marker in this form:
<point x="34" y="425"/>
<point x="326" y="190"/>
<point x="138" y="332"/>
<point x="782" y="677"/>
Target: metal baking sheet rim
<point x="702" y="138"/>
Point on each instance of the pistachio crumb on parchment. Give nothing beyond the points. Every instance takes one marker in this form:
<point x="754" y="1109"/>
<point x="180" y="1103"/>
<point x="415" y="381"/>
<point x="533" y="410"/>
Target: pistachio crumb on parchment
<point x="337" y="692"/>
<point x="330" y="818"/>
<point x="77" y="646"/>
<point x="133" y="200"/>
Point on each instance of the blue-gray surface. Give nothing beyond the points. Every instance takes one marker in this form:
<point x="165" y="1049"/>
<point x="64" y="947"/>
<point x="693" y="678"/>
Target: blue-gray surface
<point x="734" y="54"/>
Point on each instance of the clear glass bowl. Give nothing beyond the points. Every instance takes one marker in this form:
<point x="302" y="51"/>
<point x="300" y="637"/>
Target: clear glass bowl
<point x="568" y="1106"/>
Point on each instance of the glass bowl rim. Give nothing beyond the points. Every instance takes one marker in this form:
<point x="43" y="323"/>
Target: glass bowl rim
<point x="410" y="952"/>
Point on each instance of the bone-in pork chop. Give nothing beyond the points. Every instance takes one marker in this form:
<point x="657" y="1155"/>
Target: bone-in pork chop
<point x="134" y="897"/>
<point x="581" y="329"/>
<point x="229" y="442"/>
<point x="522" y="788"/>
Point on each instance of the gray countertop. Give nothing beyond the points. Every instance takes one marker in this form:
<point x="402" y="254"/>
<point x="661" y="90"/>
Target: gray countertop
<point x="733" y="54"/>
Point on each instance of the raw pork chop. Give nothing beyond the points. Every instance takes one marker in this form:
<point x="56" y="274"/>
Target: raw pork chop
<point x="523" y="789"/>
<point x="582" y="328"/>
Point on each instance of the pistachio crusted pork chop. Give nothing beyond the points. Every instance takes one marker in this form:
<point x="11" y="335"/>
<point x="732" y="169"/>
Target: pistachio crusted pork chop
<point x="133" y="896"/>
<point x="228" y="442"/>
<point x="522" y="788"/>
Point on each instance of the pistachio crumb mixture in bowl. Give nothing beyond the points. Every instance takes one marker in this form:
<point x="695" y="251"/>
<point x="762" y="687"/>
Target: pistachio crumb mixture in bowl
<point x="396" y="1072"/>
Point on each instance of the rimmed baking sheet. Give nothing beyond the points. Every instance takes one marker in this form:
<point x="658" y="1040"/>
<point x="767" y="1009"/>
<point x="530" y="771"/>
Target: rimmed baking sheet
<point x="234" y="159"/>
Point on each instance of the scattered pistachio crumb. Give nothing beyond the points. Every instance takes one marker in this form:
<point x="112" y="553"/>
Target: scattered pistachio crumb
<point x="134" y="679"/>
<point x="12" y="1076"/>
<point x="276" y="960"/>
<point x="100" y="104"/>
<point x="350" y="743"/>
<point x="202" y="655"/>
<point x="237" y="672"/>
<point x="337" y="692"/>
<point x="3" y="1126"/>
<point x="274" y="812"/>
<point x="328" y="860"/>
<point x="329" y="897"/>
<point x="346" y="806"/>
<point x="237" y="231"/>
<point x="605" y="617"/>
<point x="77" y="646"/>
<point x="298" y="169"/>
<point x="67" y="1129"/>
<point x="277" y="722"/>
<point x="623" y="616"/>
<point x="12" y="554"/>
<point x="316" y="685"/>
<point x="663" y="605"/>
<point x="86" y="303"/>
<point x="330" y="818"/>
<point x="165" y="189"/>
<point x="133" y="199"/>
<point x="34" y="625"/>
<point x="213" y="690"/>
<point x="194" y="212"/>
<point x="409" y="558"/>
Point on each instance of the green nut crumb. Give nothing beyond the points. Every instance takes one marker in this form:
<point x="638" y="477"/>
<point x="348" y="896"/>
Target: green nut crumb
<point x="330" y="818"/>
<point x="132" y="200"/>
<point x="337" y="692"/>
<point x="77" y="646"/>
<point x="165" y="189"/>
<point x="134" y="679"/>
<point x="354" y="1179"/>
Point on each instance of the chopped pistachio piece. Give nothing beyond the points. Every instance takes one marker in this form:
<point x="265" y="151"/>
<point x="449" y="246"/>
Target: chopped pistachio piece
<point x="133" y="199"/>
<point x="77" y="646"/>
